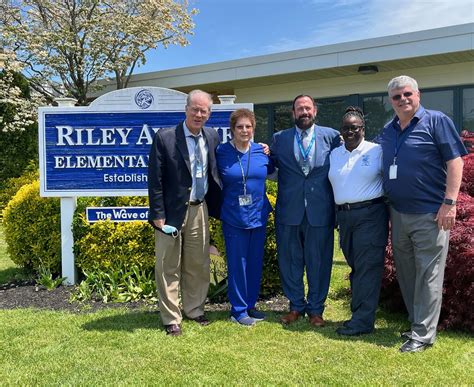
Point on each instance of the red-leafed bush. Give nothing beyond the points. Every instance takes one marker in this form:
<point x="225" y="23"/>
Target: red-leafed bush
<point x="467" y="184"/>
<point x="457" y="310"/>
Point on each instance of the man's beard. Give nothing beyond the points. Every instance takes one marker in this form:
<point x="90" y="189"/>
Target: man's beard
<point x="304" y="122"/>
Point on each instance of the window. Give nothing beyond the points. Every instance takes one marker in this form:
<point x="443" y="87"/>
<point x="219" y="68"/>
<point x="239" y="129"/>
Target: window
<point x="468" y="109"/>
<point x="439" y="100"/>
<point x="378" y="111"/>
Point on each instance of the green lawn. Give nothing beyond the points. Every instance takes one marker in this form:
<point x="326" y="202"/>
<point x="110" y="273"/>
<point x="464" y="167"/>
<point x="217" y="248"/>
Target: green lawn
<point x="8" y="270"/>
<point x="129" y="347"/>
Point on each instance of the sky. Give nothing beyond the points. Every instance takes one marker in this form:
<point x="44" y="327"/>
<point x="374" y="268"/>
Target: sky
<point x="235" y="29"/>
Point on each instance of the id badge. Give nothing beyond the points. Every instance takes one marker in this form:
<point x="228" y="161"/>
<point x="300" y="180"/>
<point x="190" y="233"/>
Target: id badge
<point x="199" y="171"/>
<point x="392" y="172"/>
<point x="306" y="168"/>
<point x="245" y="200"/>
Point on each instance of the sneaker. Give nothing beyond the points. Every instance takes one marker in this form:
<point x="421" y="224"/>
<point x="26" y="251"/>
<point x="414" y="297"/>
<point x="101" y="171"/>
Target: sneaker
<point x="246" y="321"/>
<point x="256" y="315"/>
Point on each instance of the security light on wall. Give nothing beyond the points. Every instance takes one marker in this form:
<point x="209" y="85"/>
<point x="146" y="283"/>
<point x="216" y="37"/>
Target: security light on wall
<point x="368" y="69"/>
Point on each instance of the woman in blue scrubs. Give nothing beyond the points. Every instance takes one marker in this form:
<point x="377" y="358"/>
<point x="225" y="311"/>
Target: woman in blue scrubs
<point x="243" y="168"/>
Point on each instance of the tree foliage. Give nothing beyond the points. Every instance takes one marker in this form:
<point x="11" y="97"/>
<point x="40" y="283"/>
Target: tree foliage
<point x="77" y="42"/>
<point x="18" y="128"/>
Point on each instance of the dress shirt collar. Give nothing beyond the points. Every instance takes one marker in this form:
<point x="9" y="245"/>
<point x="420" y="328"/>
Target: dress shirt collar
<point x="187" y="132"/>
<point x="309" y="131"/>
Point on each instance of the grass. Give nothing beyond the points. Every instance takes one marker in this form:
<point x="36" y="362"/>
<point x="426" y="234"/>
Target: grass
<point x="129" y="347"/>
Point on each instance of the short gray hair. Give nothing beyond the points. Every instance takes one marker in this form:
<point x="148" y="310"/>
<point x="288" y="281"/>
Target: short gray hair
<point x="192" y="93"/>
<point x="402" y="81"/>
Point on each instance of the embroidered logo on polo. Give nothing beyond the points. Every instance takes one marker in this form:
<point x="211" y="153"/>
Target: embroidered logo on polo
<point x="365" y="161"/>
<point x="144" y="99"/>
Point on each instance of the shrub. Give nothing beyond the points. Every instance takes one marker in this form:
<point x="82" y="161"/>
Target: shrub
<point x="467" y="184"/>
<point x="108" y="245"/>
<point x="9" y="187"/>
<point x="458" y="287"/>
<point x="32" y="229"/>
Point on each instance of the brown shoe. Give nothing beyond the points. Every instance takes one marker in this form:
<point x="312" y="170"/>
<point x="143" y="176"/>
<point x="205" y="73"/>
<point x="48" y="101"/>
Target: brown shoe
<point x="291" y="317"/>
<point x="201" y="320"/>
<point x="173" y="330"/>
<point x="316" y="320"/>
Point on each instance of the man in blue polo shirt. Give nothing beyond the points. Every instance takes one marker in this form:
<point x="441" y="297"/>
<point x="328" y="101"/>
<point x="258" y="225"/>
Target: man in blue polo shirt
<point x="422" y="169"/>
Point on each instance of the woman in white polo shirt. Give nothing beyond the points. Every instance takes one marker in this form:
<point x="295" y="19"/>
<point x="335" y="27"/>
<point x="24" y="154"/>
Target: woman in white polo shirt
<point x="356" y="178"/>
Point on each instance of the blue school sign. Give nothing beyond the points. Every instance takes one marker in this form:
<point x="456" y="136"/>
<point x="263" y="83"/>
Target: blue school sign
<point x="102" y="149"/>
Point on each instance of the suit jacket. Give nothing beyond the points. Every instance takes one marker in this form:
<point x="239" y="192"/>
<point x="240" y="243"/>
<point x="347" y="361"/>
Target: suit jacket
<point x="294" y="188"/>
<point x="170" y="176"/>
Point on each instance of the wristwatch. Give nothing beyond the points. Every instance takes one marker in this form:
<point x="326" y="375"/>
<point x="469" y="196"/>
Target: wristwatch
<point x="450" y="202"/>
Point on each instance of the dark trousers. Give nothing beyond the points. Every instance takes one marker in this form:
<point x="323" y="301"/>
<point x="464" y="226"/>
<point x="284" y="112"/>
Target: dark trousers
<point x="244" y="251"/>
<point x="363" y="238"/>
<point x="300" y="247"/>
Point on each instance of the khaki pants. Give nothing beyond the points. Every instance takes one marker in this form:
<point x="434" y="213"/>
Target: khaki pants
<point x="183" y="263"/>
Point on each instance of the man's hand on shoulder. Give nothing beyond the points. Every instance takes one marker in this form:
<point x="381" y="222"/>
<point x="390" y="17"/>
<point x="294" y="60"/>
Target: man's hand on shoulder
<point x="266" y="148"/>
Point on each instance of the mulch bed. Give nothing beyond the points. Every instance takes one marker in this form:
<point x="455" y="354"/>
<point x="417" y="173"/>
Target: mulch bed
<point x="26" y="294"/>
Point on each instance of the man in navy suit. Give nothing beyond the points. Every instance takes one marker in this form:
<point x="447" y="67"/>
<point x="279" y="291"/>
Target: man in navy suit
<point x="184" y="189"/>
<point x="304" y="211"/>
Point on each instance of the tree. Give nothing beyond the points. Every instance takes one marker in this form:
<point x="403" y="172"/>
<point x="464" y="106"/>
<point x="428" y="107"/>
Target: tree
<point x="77" y="42"/>
<point x="18" y="113"/>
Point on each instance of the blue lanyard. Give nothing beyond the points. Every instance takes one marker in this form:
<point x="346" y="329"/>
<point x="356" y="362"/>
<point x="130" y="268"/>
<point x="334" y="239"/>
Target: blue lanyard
<point x="400" y="138"/>
<point x="246" y="174"/>
<point x="304" y="153"/>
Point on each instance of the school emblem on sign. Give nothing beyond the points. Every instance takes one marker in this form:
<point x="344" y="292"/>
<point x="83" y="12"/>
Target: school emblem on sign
<point x="144" y="99"/>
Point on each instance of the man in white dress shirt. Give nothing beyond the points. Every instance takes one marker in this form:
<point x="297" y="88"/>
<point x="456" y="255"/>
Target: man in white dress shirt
<point x="355" y="174"/>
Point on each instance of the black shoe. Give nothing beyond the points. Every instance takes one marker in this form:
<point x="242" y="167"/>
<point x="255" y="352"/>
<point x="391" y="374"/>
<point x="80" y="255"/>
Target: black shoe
<point x="351" y="331"/>
<point x="413" y="345"/>
<point x="405" y="335"/>
<point x="173" y="330"/>
<point x="346" y="323"/>
<point x="201" y="320"/>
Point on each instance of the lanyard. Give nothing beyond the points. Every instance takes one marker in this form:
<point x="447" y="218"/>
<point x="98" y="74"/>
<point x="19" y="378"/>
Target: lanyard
<point x="244" y="176"/>
<point x="400" y="139"/>
<point x="304" y="153"/>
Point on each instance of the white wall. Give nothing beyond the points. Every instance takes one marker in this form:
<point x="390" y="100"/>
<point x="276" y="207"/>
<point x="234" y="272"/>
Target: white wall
<point x="427" y="77"/>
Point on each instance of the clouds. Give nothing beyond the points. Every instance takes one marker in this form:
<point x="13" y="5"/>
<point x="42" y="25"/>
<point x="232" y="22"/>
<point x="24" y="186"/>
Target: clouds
<point x="349" y="20"/>
<point x="235" y="29"/>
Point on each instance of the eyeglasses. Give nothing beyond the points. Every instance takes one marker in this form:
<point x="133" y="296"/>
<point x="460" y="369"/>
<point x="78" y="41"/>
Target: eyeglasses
<point x="398" y="97"/>
<point x="353" y="128"/>
<point x="196" y="110"/>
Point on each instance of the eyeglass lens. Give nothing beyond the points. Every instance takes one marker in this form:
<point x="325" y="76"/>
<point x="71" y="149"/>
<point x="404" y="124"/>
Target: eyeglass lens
<point x="354" y="128"/>
<point x="398" y="97"/>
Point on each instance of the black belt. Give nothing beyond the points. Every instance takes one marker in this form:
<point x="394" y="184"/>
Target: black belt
<point x="195" y="202"/>
<point x="354" y="206"/>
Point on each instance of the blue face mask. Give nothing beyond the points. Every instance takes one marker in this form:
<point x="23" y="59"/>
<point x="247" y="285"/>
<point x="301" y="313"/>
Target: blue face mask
<point x="170" y="230"/>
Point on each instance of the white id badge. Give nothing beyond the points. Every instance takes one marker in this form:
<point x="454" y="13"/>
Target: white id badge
<point x="245" y="200"/>
<point x="199" y="171"/>
<point x="392" y="172"/>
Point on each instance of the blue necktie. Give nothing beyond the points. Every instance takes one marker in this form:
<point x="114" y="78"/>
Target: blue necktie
<point x="198" y="165"/>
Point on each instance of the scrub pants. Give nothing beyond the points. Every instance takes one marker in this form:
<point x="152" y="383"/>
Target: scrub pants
<point x="244" y="250"/>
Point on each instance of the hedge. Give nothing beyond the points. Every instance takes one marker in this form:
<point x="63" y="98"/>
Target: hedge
<point x="32" y="229"/>
<point x="105" y="245"/>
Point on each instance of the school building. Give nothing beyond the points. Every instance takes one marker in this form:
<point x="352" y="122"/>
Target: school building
<point x="338" y="75"/>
